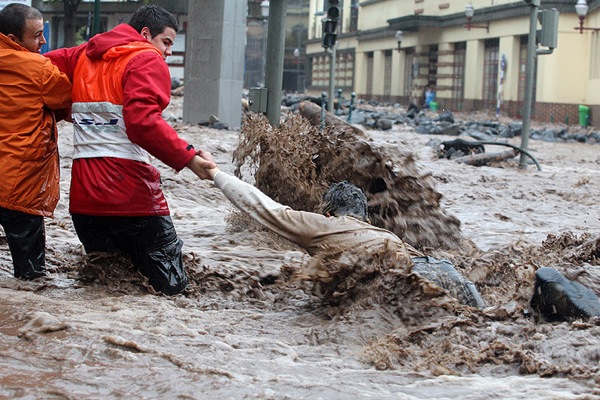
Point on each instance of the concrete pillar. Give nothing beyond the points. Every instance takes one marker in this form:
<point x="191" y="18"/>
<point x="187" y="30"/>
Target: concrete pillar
<point x="214" y="64"/>
<point x="398" y="70"/>
<point x="445" y="73"/>
<point x="420" y="81"/>
<point x="378" y="73"/>
<point x="474" y="69"/>
<point x="510" y="46"/>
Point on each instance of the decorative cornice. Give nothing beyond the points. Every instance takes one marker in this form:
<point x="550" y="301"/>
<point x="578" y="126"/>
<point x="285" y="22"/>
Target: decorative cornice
<point x="412" y="23"/>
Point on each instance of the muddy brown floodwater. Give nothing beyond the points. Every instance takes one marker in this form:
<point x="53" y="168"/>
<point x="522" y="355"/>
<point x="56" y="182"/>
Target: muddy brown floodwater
<point x="94" y="330"/>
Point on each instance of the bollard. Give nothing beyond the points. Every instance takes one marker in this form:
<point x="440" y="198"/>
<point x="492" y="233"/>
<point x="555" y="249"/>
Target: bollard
<point x="351" y="107"/>
<point x="323" y="109"/>
<point x="338" y="106"/>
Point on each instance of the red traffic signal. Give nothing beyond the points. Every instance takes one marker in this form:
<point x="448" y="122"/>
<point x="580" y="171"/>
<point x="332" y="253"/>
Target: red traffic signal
<point x="333" y="13"/>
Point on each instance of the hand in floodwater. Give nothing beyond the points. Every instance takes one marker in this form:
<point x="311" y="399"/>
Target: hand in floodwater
<point x="210" y="166"/>
<point x="202" y="164"/>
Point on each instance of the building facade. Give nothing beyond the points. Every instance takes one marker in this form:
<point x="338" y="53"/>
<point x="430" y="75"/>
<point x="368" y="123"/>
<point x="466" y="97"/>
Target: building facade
<point x="472" y="66"/>
<point x="114" y="12"/>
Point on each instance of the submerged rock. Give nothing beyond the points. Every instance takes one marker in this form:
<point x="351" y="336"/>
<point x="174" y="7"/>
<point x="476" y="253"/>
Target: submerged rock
<point x="443" y="273"/>
<point x="556" y="298"/>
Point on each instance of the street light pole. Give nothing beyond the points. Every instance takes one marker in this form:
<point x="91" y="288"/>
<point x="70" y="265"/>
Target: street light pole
<point x="264" y="12"/>
<point x="275" y="55"/>
<point x="332" y="56"/>
<point x="96" y="17"/>
<point x="297" y="59"/>
<point x="529" y="78"/>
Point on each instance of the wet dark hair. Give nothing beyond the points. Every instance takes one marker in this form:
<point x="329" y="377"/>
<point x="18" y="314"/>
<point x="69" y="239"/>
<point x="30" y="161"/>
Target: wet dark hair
<point x="13" y="17"/>
<point x="155" y="18"/>
<point x="344" y="198"/>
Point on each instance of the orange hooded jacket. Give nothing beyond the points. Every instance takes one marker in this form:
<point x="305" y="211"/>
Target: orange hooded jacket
<point x="30" y="89"/>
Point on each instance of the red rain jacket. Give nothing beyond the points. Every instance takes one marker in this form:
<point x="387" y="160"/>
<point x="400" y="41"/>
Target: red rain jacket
<point x="111" y="186"/>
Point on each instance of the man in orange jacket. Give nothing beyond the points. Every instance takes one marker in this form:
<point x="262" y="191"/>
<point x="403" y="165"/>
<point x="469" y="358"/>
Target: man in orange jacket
<point x="30" y="89"/>
<point x="121" y="85"/>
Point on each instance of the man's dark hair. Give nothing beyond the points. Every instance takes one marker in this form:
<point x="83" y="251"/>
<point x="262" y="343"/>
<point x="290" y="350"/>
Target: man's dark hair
<point x="344" y="198"/>
<point x="155" y="18"/>
<point x="13" y="17"/>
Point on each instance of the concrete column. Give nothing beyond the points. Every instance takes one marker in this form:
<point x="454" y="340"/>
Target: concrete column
<point x="420" y="81"/>
<point x="360" y="73"/>
<point x="445" y="73"/>
<point x="214" y="64"/>
<point x="474" y="69"/>
<point x="510" y="46"/>
<point x="398" y="69"/>
<point x="378" y="72"/>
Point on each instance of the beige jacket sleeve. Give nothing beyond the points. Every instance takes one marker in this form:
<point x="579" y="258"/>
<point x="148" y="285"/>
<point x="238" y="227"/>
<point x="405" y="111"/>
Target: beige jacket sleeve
<point x="314" y="232"/>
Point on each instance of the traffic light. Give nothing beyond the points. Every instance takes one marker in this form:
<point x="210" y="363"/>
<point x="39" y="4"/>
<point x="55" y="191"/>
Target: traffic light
<point x="548" y="35"/>
<point x="330" y="23"/>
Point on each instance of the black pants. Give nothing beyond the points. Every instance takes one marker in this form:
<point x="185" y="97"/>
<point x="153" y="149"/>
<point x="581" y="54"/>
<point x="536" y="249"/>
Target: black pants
<point x="26" y="237"/>
<point x="150" y="242"/>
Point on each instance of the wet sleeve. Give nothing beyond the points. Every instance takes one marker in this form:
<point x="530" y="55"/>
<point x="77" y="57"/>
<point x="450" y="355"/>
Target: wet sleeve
<point x="146" y="93"/>
<point x="300" y="227"/>
<point x="55" y="87"/>
<point x="66" y="59"/>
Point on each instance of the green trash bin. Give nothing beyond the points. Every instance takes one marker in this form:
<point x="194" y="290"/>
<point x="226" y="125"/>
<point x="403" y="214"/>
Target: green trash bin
<point x="584" y="116"/>
<point x="433" y="106"/>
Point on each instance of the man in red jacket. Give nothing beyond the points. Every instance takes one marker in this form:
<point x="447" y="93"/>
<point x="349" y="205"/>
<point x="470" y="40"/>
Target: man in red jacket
<point x="31" y="88"/>
<point x="121" y="85"/>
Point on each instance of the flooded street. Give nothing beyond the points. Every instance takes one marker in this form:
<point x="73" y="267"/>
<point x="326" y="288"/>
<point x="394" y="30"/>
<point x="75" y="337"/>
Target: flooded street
<point x="93" y="330"/>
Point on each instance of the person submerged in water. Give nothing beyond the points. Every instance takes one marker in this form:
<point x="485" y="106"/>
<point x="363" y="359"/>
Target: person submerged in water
<point x="342" y="227"/>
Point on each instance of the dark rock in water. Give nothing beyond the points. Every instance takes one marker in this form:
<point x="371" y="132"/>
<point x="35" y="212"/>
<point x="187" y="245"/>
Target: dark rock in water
<point x="448" y="129"/>
<point x="423" y="130"/>
<point x="434" y="144"/>
<point x="491" y="124"/>
<point x="412" y="111"/>
<point x="358" y="117"/>
<point x="477" y="135"/>
<point x="443" y="274"/>
<point x="413" y="107"/>
<point x="446" y="116"/>
<point x="506" y="132"/>
<point x="549" y="135"/>
<point x="175" y="83"/>
<point x="556" y="298"/>
<point x="384" y="124"/>
<point x="516" y="127"/>
<point x="220" y="126"/>
<point x="579" y="137"/>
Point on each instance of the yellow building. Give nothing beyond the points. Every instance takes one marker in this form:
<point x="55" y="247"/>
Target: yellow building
<point x="474" y="65"/>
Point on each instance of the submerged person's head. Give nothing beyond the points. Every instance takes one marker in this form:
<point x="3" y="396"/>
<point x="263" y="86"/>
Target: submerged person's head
<point x="345" y="199"/>
<point x="23" y="25"/>
<point x="157" y="25"/>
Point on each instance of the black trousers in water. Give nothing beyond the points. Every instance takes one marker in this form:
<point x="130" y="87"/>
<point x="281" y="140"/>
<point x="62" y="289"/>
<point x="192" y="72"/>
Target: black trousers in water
<point x="26" y="237"/>
<point x="150" y="242"/>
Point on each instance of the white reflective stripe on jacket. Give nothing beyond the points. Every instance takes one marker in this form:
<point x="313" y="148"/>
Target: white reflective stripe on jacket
<point x="100" y="132"/>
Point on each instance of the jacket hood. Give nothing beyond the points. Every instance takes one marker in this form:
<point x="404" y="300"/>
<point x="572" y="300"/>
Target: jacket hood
<point x="7" y="43"/>
<point x="122" y="34"/>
